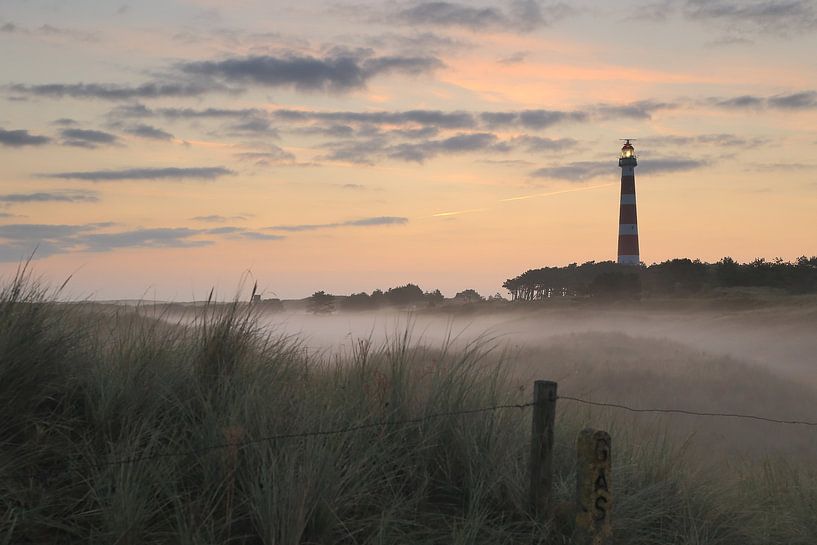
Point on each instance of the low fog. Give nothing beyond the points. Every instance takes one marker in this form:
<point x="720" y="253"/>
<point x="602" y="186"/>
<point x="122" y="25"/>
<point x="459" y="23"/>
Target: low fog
<point x="782" y="339"/>
<point x="760" y="361"/>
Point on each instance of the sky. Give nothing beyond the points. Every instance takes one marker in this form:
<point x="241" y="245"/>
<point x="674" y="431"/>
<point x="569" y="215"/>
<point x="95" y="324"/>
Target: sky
<point x="161" y="148"/>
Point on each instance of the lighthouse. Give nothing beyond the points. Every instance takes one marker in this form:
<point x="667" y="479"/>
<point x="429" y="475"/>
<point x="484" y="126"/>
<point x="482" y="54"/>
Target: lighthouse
<point x="627" y="220"/>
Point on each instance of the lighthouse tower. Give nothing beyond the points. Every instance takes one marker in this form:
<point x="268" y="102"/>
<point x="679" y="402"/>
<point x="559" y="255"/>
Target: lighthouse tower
<point x="627" y="220"/>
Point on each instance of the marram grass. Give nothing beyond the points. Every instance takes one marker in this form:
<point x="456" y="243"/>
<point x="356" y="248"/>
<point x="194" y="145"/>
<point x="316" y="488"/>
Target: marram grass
<point x="97" y="403"/>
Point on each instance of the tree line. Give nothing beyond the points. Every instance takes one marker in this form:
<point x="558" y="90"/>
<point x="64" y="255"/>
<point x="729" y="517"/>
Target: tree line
<point x="408" y="296"/>
<point x="672" y="277"/>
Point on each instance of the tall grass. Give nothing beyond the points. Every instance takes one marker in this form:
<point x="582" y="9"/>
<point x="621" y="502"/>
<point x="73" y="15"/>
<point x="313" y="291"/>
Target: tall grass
<point x="109" y="421"/>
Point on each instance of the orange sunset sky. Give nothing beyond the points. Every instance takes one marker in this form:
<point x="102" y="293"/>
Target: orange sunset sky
<point x="158" y="148"/>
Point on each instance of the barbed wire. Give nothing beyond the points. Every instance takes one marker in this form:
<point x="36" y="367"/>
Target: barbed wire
<point x="686" y="412"/>
<point x="296" y="435"/>
<point x="417" y="420"/>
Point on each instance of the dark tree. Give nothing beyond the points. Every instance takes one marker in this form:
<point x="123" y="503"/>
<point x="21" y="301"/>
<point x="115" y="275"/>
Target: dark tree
<point x="321" y="303"/>
<point x="357" y="301"/>
<point x="434" y="298"/>
<point x="469" y="296"/>
<point x="401" y="296"/>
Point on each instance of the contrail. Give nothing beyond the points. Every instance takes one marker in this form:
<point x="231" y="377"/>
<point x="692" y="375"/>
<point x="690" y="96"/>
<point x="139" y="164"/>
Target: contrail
<point x="521" y="198"/>
<point x="535" y="195"/>
<point x="458" y="212"/>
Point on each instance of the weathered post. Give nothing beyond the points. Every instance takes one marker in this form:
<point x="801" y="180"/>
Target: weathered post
<point x="594" y="500"/>
<point x="541" y="449"/>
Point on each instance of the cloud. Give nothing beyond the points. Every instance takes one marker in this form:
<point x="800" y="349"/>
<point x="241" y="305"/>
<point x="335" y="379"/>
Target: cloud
<point x="514" y="58"/>
<point x="531" y="119"/>
<point x="85" y="138"/>
<point x="341" y="72"/>
<point x="113" y="91"/>
<point x="178" y="237"/>
<point x="774" y="16"/>
<point x="522" y="15"/>
<point x="39" y="231"/>
<point x="378" y="220"/>
<point x="273" y="154"/>
<point x="795" y="101"/>
<point x="254" y="126"/>
<point x="148" y="131"/>
<point x="707" y="140"/>
<point x="344" y="123"/>
<point x="580" y="171"/>
<point x="19" y="138"/>
<point x="20" y="240"/>
<point x="166" y="173"/>
<point x="254" y="235"/>
<point x="460" y="143"/>
<point x="802" y="100"/>
<point x="364" y="222"/>
<point x="64" y="196"/>
<point x="50" y="30"/>
<point x="538" y="143"/>
<point x="215" y="218"/>
<point x="437" y="118"/>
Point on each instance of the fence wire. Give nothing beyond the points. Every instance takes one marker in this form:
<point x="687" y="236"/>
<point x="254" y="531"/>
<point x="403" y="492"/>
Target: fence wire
<point x="417" y="420"/>
<point x="687" y="412"/>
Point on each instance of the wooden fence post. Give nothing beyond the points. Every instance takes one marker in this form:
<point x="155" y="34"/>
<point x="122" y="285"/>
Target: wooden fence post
<point x="594" y="500"/>
<point x="541" y="449"/>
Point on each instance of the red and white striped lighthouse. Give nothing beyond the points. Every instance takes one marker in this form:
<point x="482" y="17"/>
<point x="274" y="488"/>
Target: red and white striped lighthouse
<point x="627" y="220"/>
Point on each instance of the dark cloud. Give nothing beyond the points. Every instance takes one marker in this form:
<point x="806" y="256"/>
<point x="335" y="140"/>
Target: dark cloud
<point x="585" y="170"/>
<point x="112" y="91"/>
<point x="254" y="126"/>
<point x="418" y="41"/>
<point x="514" y="58"/>
<point x="364" y="222"/>
<point x="795" y="101"/>
<point x="148" y="131"/>
<point x="355" y="151"/>
<point x="178" y="237"/>
<point x="166" y="173"/>
<point x="50" y="30"/>
<point x="537" y="143"/>
<point x="65" y="122"/>
<point x="577" y="171"/>
<point x="19" y="138"/>
<point x="661" y="165"/>
<point x="523" y="15"/>
<point x="460" y="143"/>
<point x="273" y="154"/>
<point x="21" y="240"/>
<point x="378" y="220"/>
<point x="744" y="101"/>
<point x="86" y="138"/>
<point x="336" y="73"/>
<point x="436" y="118"/>
<point x="64" y="196"/>
<point x="704" y="141"/>
<point x="802" y="100"/>
<point x="634" y="110"/>
<point x="775" y="16"/>
<point x="215" y="218"/>
<point x="226" y="230"/>
<point x="254" y="235"/>
<point x="531" y="119"/>
<point x="346" y="123"/>
<point x="38" y="231"/>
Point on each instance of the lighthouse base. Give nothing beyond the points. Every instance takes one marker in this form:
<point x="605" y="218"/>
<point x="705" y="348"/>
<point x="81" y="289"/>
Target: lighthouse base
<point x="628" y="260"/>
